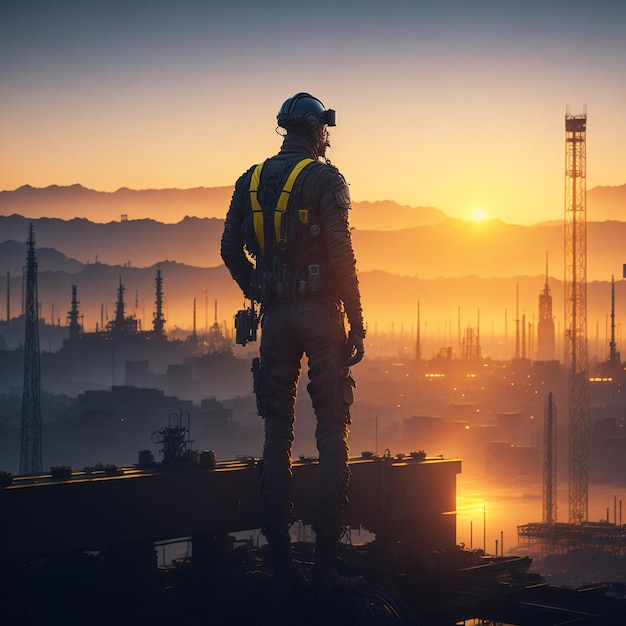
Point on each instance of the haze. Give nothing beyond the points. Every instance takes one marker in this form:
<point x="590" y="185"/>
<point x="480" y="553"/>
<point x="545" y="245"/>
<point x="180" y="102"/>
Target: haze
<point x="452" y="105"/>
<point x="446" y="104"/>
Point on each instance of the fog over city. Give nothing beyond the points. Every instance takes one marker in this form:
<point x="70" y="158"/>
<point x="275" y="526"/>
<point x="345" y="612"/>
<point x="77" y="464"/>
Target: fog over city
<point x="460" y="391"/>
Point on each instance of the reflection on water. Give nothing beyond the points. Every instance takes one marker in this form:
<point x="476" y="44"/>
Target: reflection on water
<point x="489" y="512"/>
<point x="489" y="509"/>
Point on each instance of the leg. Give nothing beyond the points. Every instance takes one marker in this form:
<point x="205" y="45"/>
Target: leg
<point x="331" y="390"/>
<point x="276" y="382"/>
<point x="276" y="386"/>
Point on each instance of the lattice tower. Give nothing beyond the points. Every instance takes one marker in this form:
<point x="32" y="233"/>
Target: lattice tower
<point x="30" y="453"/>
<point x="159" y="319"/>
<point x="549" y="461"/>
<point x="614" y="355"/>
<point x="73" y="317"/>
<point x="576" y="314"/>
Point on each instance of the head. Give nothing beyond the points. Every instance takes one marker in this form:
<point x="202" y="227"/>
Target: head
<point x="303" y="113"/>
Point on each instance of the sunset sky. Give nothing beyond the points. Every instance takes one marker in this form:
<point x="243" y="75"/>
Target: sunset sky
<point x="458" y="105"/>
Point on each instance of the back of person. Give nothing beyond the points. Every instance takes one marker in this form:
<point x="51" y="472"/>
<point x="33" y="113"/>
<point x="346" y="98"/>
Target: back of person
<point x="287" y="244"/>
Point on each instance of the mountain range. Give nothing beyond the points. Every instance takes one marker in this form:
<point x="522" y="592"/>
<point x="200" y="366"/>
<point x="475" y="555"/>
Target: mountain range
<point x="448" y="248"/>
<point x="604" y="203"/>
<point x="173" y="205"/>
<point x="457" y="270"/>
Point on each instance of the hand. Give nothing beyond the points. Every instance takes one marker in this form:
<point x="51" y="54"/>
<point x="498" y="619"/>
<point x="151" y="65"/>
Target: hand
<point x="355" y="349"/>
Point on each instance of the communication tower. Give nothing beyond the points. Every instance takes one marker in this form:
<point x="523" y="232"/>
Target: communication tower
<point x="73" y="316"/>
<point x="159" y="319"/>
<point x="614" y="355"/>
<point x="30" y="453"/>
<point x="545" y="327"/>
<point x="120" y="308"/>
<point x="8" y="296"/>
<point x="517" y="320"/>
<point x="549" y="461"/>
<point x="576" y="314"/>
<point x="418" y="341"/>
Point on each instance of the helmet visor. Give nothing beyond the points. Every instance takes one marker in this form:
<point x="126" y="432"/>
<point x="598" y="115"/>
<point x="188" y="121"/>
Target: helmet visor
<point x="328" y="117"/>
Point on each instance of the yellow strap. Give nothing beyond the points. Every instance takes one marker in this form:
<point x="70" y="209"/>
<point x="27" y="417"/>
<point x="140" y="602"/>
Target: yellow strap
<point x="281" y="205"/>
<point x="257" y="211"/>
<point x="283" y="200"/>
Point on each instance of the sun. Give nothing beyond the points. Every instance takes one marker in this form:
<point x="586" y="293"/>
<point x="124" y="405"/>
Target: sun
<point x="478" y="215"/>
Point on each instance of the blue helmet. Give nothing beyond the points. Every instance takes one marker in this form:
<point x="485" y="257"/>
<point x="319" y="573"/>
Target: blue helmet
<point x="304" y="110"/>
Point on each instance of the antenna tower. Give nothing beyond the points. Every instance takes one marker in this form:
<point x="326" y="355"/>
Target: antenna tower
<point x="418" y="341"/>
<point x="545" y="326"/>
<point x="159" y="320"/>
<point x="576" y="314"/>
<point x="30" y="454"/>
<point x="549" y="461"/>
<point x="75" y="328"/>
<point x="8" y="296"/>
<point x="119" y="308"/>
<point x="614" y="355"/>
<point x="517" y="320"/>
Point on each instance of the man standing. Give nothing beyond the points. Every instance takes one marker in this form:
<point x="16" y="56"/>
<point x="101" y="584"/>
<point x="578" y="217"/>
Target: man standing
<point x="287" y="244"/>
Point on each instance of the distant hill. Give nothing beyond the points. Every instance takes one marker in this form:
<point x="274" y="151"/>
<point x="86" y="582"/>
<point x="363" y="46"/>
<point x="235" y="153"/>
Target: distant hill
<point x="389" y="301"/>
<point x="444" y="249"/>
<point x="97" y="286"/>
<point x="386" y="215"/>
<point x="13" y="259"/>
<point x="606" y="204"/>
<point x="173" y="205"/>
<point x="193" y="241"/>
<point x="163" y="205"/>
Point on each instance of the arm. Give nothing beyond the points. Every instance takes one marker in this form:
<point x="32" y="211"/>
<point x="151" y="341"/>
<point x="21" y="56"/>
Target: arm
<point x="232" y="248"/>
<point x="334" y="207"/>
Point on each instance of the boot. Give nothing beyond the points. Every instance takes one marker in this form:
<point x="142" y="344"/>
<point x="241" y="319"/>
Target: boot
<point x="288" y="580"/>
<point x="324" y="576"/>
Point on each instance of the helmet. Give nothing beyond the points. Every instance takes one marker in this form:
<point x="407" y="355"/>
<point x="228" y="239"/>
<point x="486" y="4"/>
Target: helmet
<point x="304" y="110"/>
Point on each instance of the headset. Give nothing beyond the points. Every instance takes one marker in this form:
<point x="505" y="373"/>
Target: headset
<point x="306" y="110"/>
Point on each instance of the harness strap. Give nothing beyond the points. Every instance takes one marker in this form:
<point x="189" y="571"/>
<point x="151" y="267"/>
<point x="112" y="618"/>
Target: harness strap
<point x="281" y="205"/>
<point x="257" y="211"/>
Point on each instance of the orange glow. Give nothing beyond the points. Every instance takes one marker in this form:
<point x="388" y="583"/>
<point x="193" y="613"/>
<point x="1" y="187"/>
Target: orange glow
<point x="478" y="215"/>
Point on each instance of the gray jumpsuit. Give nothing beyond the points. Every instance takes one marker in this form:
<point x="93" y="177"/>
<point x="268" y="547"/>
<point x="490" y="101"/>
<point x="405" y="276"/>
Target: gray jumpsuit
<point x="306" y="284"/>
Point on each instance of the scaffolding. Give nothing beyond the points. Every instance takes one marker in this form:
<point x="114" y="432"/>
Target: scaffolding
<point x="585" y="537"/>
<point x="576" y="314"/>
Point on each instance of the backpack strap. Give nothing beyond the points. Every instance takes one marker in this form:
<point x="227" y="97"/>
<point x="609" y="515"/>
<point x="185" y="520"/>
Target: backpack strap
<point x="257" y="210"/>
<point x="281" y="205"/>
<point x="283" y="200"/>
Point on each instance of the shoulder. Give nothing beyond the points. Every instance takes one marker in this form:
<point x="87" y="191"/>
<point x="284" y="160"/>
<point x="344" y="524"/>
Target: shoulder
<point x="332" y="185"/>
<point x="243" y="182"/>
<point x="340" y="187"/>
<point x="328" y="172"/>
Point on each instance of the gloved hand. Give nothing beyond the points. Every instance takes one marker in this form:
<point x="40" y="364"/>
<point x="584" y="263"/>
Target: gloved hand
<point x="355" y="349"/>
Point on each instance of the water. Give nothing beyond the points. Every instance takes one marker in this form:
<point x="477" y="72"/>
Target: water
<point x="488" y="511"/>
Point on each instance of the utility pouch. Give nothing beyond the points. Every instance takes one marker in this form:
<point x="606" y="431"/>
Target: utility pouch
<point x="316" y="276"/>
<point x="246" y="324"/>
